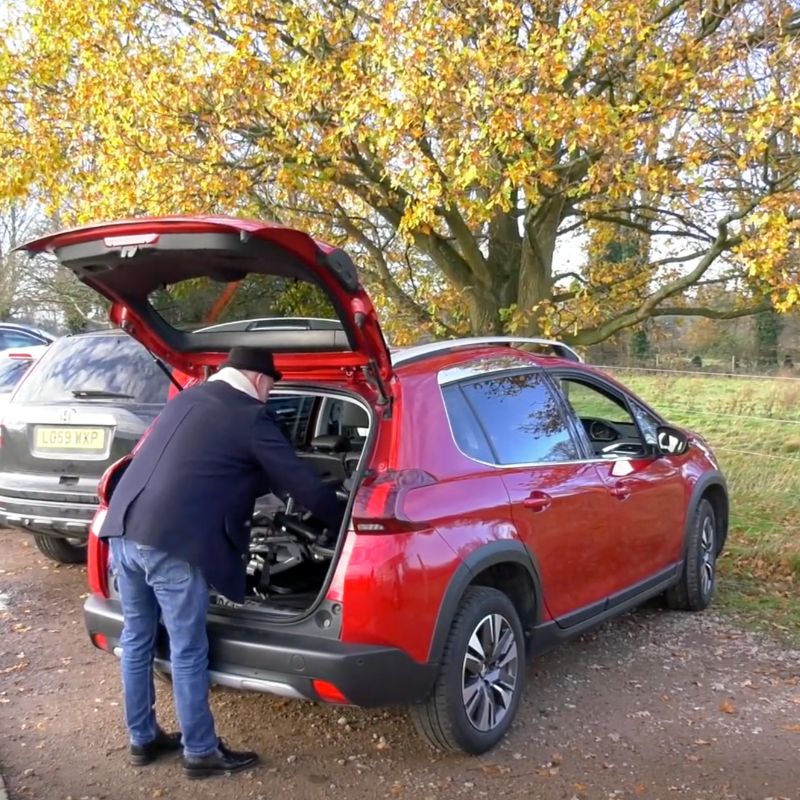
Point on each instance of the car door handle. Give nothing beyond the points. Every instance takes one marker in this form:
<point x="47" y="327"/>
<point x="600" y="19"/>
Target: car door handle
<point x="622" y="489"/>
<point x="537" y="501"/>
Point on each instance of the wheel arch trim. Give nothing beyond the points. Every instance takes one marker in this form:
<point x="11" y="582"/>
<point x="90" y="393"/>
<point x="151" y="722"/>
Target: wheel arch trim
<point x="709" y="480"/>
<point x="508" y="551"/>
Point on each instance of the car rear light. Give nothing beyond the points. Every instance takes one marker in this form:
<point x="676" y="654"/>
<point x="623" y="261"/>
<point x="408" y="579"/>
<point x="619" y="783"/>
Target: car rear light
<point x="110" y="478"/>
<point x="97" y="563"/>
<point x="329" y="693"/>
<point x="99" y="640"/>
<point x="379" y="503"/>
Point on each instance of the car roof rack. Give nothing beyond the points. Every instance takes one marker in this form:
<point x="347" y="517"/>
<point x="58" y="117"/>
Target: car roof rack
<point x="419" y="352"/>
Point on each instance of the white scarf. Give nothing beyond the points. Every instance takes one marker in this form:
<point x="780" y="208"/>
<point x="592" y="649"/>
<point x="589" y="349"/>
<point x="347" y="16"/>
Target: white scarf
<point x="234" y="377"/>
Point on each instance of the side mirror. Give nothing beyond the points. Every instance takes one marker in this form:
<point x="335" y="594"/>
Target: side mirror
<point x="671" y="441"/>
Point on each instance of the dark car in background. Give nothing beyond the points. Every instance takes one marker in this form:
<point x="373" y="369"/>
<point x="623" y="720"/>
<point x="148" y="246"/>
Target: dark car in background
<point x="15" y="334"/>
<point x="14" y="363"/>
<point x="83" y="405"/>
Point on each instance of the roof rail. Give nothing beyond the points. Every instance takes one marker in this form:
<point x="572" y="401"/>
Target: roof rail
<point x="419" y="352"/>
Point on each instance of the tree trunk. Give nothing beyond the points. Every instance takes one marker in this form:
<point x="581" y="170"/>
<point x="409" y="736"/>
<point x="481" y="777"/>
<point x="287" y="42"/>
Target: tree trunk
<point x="536" y="261"/>
<point x="484" y="312"/>
<point x="768" y="330"/>
<point x="504" y="254"/>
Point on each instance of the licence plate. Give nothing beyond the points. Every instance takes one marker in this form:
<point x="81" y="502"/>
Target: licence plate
<point x="85" y="440"/>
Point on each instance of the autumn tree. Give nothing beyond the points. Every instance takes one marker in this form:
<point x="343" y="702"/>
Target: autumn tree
<point x="39" y="290"/>
<point x="451" y="145"/>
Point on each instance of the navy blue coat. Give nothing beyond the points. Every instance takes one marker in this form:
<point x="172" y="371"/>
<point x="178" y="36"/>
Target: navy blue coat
<point x="191" y="486"/>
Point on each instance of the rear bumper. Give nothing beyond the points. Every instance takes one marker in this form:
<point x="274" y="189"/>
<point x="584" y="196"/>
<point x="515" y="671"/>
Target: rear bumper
<point x="48" y="503"/>
<point x="55" y="517"/>
<point x="258" y="658"/>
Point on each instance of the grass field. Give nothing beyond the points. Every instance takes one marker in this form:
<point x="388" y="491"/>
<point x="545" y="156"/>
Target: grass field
<point x="753" y="424"/>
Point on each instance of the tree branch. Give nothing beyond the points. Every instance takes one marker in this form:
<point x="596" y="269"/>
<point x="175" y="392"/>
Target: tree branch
<point x="633" y="316"/>
<point x="712" y="313"/>
<point x="384" y="274"/>
<point x="463" y="235"/>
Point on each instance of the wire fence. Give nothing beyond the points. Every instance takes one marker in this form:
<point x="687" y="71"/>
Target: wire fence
<point x="772" y="456"/>
<point x="697" y="373"/>
<point x="725" y="414"/>
<point x="685" y="409"/>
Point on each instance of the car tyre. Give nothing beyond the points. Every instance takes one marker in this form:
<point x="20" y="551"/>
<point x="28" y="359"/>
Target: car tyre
<point x="481" y="677"/>
<point x="60" y="550"/>
<point x="695" y="589"/>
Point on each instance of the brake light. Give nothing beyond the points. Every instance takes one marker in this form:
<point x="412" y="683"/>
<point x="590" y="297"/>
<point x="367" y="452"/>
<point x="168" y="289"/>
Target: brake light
<point x="379" y="503"/>
<point x="97" y="564"/>
<point x="99" y="640"/>
<point x="329" y="693"/>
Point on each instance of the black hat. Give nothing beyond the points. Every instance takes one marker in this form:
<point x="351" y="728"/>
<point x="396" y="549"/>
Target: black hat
<point x="255" y="359"/>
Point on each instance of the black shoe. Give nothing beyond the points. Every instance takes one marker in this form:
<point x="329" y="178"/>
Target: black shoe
<point x="222" y="762"/>
<point x="143" y="754"/>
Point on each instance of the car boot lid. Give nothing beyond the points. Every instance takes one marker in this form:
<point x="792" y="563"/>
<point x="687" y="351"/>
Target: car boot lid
<point x="222" y="263"/>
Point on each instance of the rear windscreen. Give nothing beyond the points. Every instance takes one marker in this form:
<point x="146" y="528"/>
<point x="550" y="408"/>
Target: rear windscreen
<point x="257" y="299"/>
<point x="109" y="368"/>
<point x="11" y="372"/>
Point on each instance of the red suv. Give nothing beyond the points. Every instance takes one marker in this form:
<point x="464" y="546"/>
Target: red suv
<point x="502" y="496"/>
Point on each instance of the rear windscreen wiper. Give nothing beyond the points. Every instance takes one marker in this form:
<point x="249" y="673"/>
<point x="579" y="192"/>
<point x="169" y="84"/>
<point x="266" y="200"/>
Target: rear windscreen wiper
<point x="101" y="393"/>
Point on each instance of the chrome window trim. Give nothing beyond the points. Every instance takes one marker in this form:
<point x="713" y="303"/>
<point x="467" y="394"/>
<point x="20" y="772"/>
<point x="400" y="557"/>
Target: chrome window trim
<point x="504" y="365"/>
<point x="401" y="356"/>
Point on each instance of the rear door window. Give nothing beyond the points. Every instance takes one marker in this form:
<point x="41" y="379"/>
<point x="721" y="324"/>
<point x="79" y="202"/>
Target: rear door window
<point x="466" y="429"/>
<point x="293" y="414"/>
<point x="110" y="367"/>
<point x="522" y="418"/>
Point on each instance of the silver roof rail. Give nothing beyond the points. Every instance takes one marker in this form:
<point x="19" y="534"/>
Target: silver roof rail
<point x="408" y="354"/>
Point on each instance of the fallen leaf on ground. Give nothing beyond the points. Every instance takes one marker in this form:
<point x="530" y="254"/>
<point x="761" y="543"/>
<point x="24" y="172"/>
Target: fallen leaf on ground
<point x="728" y="708"/>
<point x="792" y="728"/>
<point x="494" y="769"/>
<point x="15" y="668"/>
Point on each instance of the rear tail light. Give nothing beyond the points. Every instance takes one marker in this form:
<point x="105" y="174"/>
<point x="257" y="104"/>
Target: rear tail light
<point x="381" y="503"/>
<point x="97" y="562"/>
<point x="112" y="475"/>
<point x="99" y="640"/>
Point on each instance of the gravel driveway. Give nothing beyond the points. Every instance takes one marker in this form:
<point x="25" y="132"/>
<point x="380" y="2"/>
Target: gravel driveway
<point x="653" y="705"/>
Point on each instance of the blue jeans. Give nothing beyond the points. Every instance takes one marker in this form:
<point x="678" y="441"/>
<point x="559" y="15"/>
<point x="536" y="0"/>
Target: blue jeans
<point x="150" y="581"/>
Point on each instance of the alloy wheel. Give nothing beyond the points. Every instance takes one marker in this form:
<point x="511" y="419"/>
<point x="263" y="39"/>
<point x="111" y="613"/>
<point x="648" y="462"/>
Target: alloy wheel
<point x="490" y="672"/>
<point x="707" y="556"/>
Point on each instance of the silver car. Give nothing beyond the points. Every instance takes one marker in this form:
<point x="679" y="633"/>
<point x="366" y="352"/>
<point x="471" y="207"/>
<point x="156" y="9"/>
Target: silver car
<point x="84" y="404"/>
